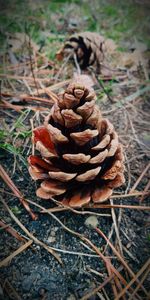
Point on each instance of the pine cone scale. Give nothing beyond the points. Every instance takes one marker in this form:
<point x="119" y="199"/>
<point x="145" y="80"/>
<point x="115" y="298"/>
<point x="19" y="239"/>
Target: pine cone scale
<point x="103" y="143"/>
<point x="37" y="175"/>
<point x="88" y="175"/>
<point x="79" y="200"/>
<point x="41" y="134"/>
<point x="99" y="158"/>
<point x="77" y="159"/>
<point x="53" y="187"/>
<point x="62" y="176"/>
<point x="101" y="195"/>
<point x="83" y="137"/>
<point x="44" y="195"/>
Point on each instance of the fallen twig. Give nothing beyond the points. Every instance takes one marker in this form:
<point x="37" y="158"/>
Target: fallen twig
<point x="5" y="261"/>
<point x="116" y="227"/>
<point x="138" y="207"/>
<point x="133" y="194"/>
<point x="145" y="190"/>
<point x="12" y="231"/>
<point x="139" y="179"/>
<point x="113" y="281"/>
<point x="19" y="108"/>
<point x="6" y="105"/>
<point x="74" y="252"/>
<point x="28" y="98"/>
<point x="15" y="190"/>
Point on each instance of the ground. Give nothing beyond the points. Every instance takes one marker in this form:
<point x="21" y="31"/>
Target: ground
<point x="31" y="34"/>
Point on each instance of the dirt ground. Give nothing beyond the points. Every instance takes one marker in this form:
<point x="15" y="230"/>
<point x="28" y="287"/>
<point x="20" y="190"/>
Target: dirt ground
<point x="35" y="273"/>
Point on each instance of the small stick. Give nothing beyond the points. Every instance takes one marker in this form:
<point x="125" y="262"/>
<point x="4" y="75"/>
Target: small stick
<point x="17" y="193"/>
<point x="140" y="178"/>
<point x="95" y="272"/>
<point x="19" y="108"/>
<point x="145" y="190"/>
<point x="116" y="227"/>
<point x="74" y="252"/>
<point x="28" y="98"/>
<point x="113" y="281"/>
<point x="109" y="237"/>
<point x="6" y="105"/>
<point x="130" y="254"/>
<point x="28" y="87"/>
<point x="140" y="283"/>
<point x="119" y="286"/>
<point x="50" y="93"/>
<point x="5" y="261"/>
<point x="12" y="231"/>
<point x="133" y="194"/>
<point x="121" y="206"/>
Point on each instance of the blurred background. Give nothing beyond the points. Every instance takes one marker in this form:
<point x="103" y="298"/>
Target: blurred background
<point x="50" y="22"/>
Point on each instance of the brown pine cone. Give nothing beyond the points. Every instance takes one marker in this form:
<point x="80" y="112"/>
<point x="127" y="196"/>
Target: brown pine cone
<point x="89" y="48"/>
<point x="80" y="159"/>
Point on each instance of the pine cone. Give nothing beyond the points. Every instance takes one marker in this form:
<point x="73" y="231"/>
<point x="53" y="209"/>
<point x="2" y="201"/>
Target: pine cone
<point x="80" y="158"/>
<point x="89" y="48"/>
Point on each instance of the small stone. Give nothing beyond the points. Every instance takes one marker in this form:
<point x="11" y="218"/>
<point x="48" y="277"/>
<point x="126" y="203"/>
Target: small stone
<point x="52" y="233"/>
<point x="51" y="239"/>
<point x="91" y="221"/>
<point x="37" y="247"/>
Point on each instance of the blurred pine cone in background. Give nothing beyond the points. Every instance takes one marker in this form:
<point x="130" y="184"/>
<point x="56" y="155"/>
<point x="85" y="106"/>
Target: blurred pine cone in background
<point x="80" y="159"/>
<point x="90" y="49"/>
